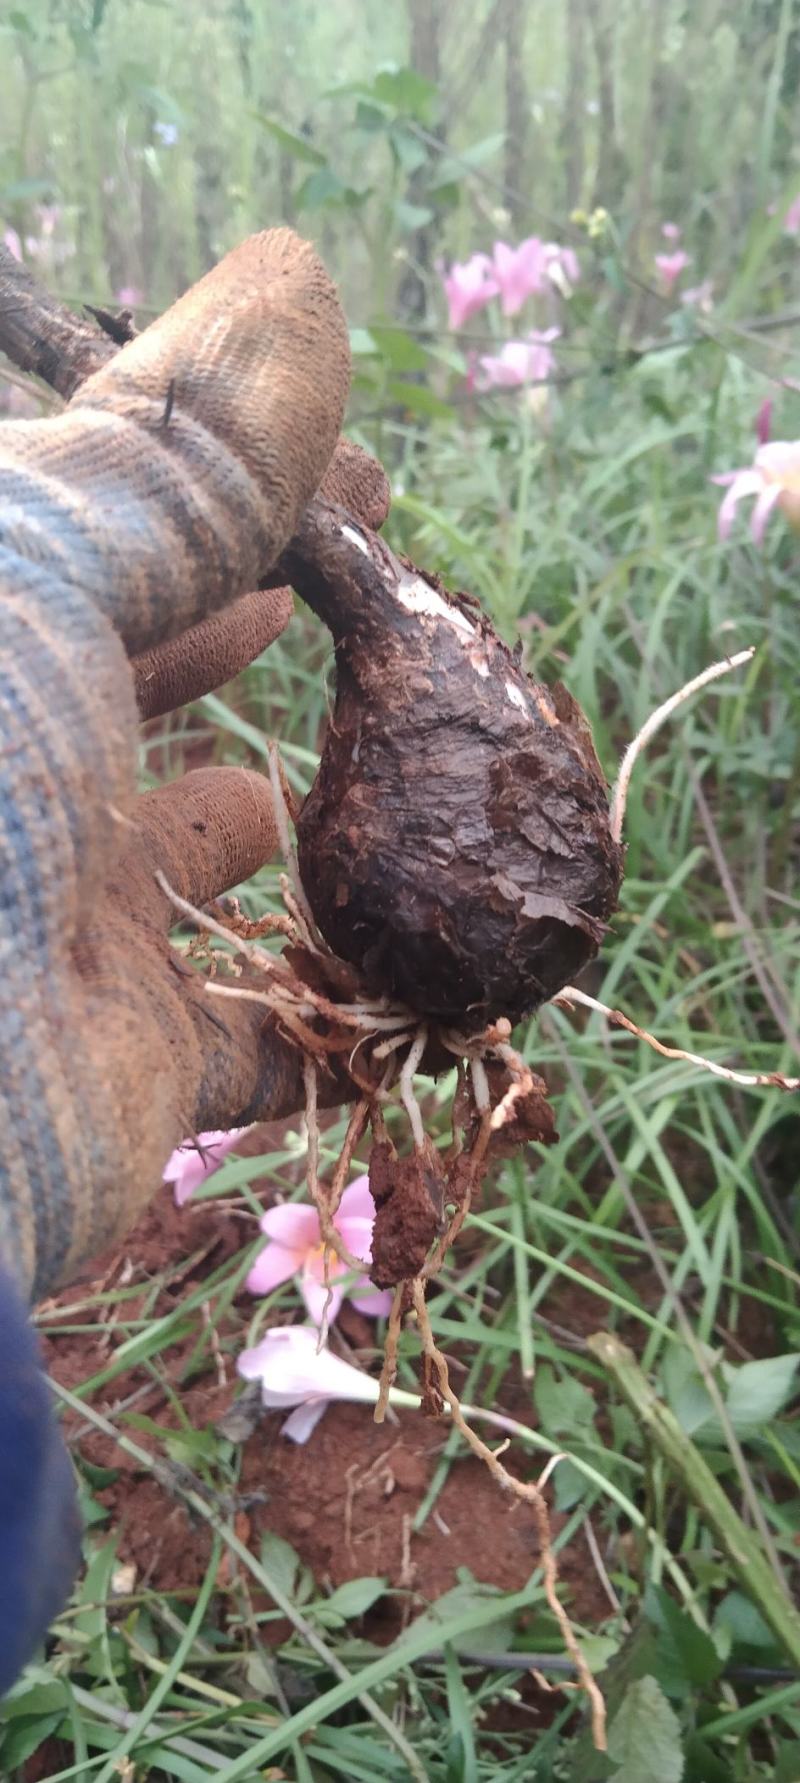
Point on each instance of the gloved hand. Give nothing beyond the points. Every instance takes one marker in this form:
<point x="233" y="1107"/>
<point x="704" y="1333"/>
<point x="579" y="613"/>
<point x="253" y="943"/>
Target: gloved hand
<point x="166" y="490"/>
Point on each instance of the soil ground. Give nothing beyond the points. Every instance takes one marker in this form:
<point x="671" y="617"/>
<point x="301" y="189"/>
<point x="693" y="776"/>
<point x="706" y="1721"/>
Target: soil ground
<point x="346" y="1500"/>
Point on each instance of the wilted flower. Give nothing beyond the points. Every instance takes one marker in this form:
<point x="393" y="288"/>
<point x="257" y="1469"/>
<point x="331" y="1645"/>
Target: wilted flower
<point x="528" y="361"/>
<point x="764" y="421"/>
<point x="294" y="1371"/>
<point x="195" y="1159"/>
<point x="773" y="478"/>
<point x="469" y="286"/>
<point x="295" y="1248"/>
<point x="671" y="266"/>
<point x="699" y="297"/>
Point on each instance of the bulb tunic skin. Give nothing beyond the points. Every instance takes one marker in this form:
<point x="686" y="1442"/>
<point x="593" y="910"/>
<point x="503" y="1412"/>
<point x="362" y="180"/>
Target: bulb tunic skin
<point x="456" y="843"/>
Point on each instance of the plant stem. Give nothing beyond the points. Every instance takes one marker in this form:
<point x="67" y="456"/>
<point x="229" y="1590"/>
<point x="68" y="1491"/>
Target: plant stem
<point x="685" y="1461"/>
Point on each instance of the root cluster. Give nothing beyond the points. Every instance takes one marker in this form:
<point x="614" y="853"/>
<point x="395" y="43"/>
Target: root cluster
<point x="422" y="1194"/>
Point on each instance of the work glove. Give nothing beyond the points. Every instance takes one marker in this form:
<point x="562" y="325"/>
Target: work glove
<point x="135" y="529"/>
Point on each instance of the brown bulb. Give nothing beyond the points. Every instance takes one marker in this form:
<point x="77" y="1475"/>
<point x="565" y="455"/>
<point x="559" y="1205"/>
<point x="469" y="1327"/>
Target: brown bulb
<point x="455" y="845"/>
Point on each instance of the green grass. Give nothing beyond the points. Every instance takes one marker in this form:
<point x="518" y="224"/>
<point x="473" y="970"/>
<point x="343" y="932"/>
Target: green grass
<point x="669" y="1187"/>
<point x="670" y="1199"/>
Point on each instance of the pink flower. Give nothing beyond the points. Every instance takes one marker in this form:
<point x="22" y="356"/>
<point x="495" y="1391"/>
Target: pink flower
<point x="129" y="296"/>
<point x="194" y="1160"/>
<point x="791" y="221"/>
<point x="294" y="1371"/>
<point x="561" y="266"/>
<point x="699" y="297"/>
<point x="12" y="242"/>
<point x="527" y="361"/>
<point x="773" y="478"/>
<point x="469" y="286"/>
<point x="671" y="266"/>
<point x="671" y="231"/>
<point x="295" y="1248"/>
<point x="520" y="272"/>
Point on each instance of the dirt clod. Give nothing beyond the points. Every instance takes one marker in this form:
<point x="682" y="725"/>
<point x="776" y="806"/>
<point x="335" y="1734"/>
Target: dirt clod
<point x="408" y="1199"/>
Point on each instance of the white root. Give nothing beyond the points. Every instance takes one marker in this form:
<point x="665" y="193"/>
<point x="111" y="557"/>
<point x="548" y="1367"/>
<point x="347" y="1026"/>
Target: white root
<point x="410" y="1103"/>
<point x="749" y="1079"/>
<point x="619" y="796"/>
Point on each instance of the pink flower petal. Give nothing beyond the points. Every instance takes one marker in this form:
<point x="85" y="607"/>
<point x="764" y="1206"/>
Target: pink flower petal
<point x="520" y="272"/>
<point x="671" y="266"/>
<point x="315" y="1297"/>
<point x="295" y="1225"/>
<point x="745" y="483"/>
<point x="765" y="503"/>
<point x="357" y="1201"/>
<point x="468" y="287"/>
<point x="313" y="1289"/>
<point x="304" y="1419"/>
<point x="780" y="457"/>
<point x="193" y="1161"/>
<point x="291" y="1369"/>
<point x="357" y="1235"/>
<point x="273" y="1266"/>
<point x="366" y="1298"/>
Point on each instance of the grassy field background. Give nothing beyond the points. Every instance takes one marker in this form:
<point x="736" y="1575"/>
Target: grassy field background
<point x="138" y="141"/>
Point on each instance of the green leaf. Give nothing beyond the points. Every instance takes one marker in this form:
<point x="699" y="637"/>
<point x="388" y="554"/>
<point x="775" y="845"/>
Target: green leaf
<point x="758" y="1391"/>
<point x="284" y="1566"/>
<point x="355" y="1597"/>
<point x="687" y="1395"/>
<point x="411" y="216"/>
<point x="754" y="1393"/>
<point x="24" y="25"/>
<point x="406" y="91"/>
<point x="704" y="1766"/>
<point x="400" y="349"/>
<point x="363" y="344"/>
<point x="461" y="1601"/>
<point x="27" y="191"/>
<point x="644" y="1739"/>
<point x="41" y="1697"/>
<point x="411" y="153"/>
<point x="563" y="1403"/>
<point x="25" y="1736"/>
<point x="324" y="187"/>
<point x="295" y="145"/>
<point x="744" y="1626"/>
<point x="453" y="168"/>
<point x="418" y="399"/>
<point x="569" y="1484"/>
<point x="694" y="1652"/>
<point x="90" y="1623"/>
<point x="787" y="1769"/>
